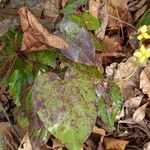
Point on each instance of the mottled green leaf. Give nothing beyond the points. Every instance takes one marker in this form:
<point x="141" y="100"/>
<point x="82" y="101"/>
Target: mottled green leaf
<point x="145" y="19"/>
<point x="71" y="7"/>
<point x="16" y="82"/>
<point x="88" y="23"/>
<point x="46" y="57"/>
<point x="67" y="107"/>
<point x="81" y="48"/>
<point x="109" y="116"/>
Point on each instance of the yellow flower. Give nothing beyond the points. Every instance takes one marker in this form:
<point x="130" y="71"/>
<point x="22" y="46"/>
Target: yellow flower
<point x="144" y="35"/>
<point x="143" y="54"/>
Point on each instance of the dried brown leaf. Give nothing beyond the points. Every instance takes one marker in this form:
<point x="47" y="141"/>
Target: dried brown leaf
<point x="145" y="80"/>
<point x="93" y="7"/>
<point x="57" y="144"/>
<point x="110" y="43"/>
<point x="8" y="136"/>
<point x="111" y="69"/>
<point x="100" y="32"/>
<point x="2" y="45"/>
<point x="35" y="36"/>
<point x="140" y="12"/>
<point x="116" y="144"/>
<point x="118" y="9"/>
<point x="100" y="132"/>
<point x="133" y="102"/>
<point x="129" y="105"/>
<point x="51" y="9"/>
<point x="135" y="5"/>
<point x="139" y="114"/>
<point x="127" y="74"/>
<point x="25" y="143"/>
<point x="147" y="146"/>
<point x="64" y="2"/>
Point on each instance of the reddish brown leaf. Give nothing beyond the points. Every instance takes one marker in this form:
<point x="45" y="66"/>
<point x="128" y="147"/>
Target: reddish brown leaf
<point x="118" y="9"/>
<point x="35" y="35"/>
<point x="116" y="144"/>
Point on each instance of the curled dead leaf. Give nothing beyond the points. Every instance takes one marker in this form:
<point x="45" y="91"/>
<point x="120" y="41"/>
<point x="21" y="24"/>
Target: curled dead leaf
<point x="116" y="144"/>
<point x="35" y="36"/>
<point x="145" y="80"/>
<point x="139" y="114"/>
<point x="100" y="132"/>
<point x="129" y="105"/>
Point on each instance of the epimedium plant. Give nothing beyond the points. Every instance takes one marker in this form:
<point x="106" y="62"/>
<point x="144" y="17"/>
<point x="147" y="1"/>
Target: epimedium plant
<point x="63" y="96"/>
<point x="19" y="68"/>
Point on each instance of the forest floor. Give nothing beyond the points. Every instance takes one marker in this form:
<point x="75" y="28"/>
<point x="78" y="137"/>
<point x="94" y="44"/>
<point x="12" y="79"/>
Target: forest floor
<point x="74" y="74"/>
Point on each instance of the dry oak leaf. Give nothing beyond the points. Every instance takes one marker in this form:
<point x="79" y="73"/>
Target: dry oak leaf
<point x="139" y="114"/>
<point x="116" y="144"/>
<point x="35" y="36"/>
<point x="145" y="80"/>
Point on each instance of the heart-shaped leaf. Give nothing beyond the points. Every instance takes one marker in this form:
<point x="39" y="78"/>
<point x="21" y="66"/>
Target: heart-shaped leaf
<point x="67" y="107"/>
<point x="81" y="48"/>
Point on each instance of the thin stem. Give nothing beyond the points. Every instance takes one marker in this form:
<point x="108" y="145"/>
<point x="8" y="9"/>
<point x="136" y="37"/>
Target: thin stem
<point x="111" y="16"/>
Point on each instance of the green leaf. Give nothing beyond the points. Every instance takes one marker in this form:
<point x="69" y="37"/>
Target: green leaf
<point x="16" y="81"/>
<point x="25" y="69"/>
<point x="91" y="22"/>
<point x="19" y="39"/>
<point x="71" y="7"/>
<point x="67" y="107"/>
<point x="145" y="19"/>
<point x="86" y="20"/>
<point x="77" y="19"/>
<point x="97" y="43"/>
<point x="23" y="121"/>
<point x="9" y="40"/>
<point x="108" y="117"/>
<point x="46" y="57"/>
